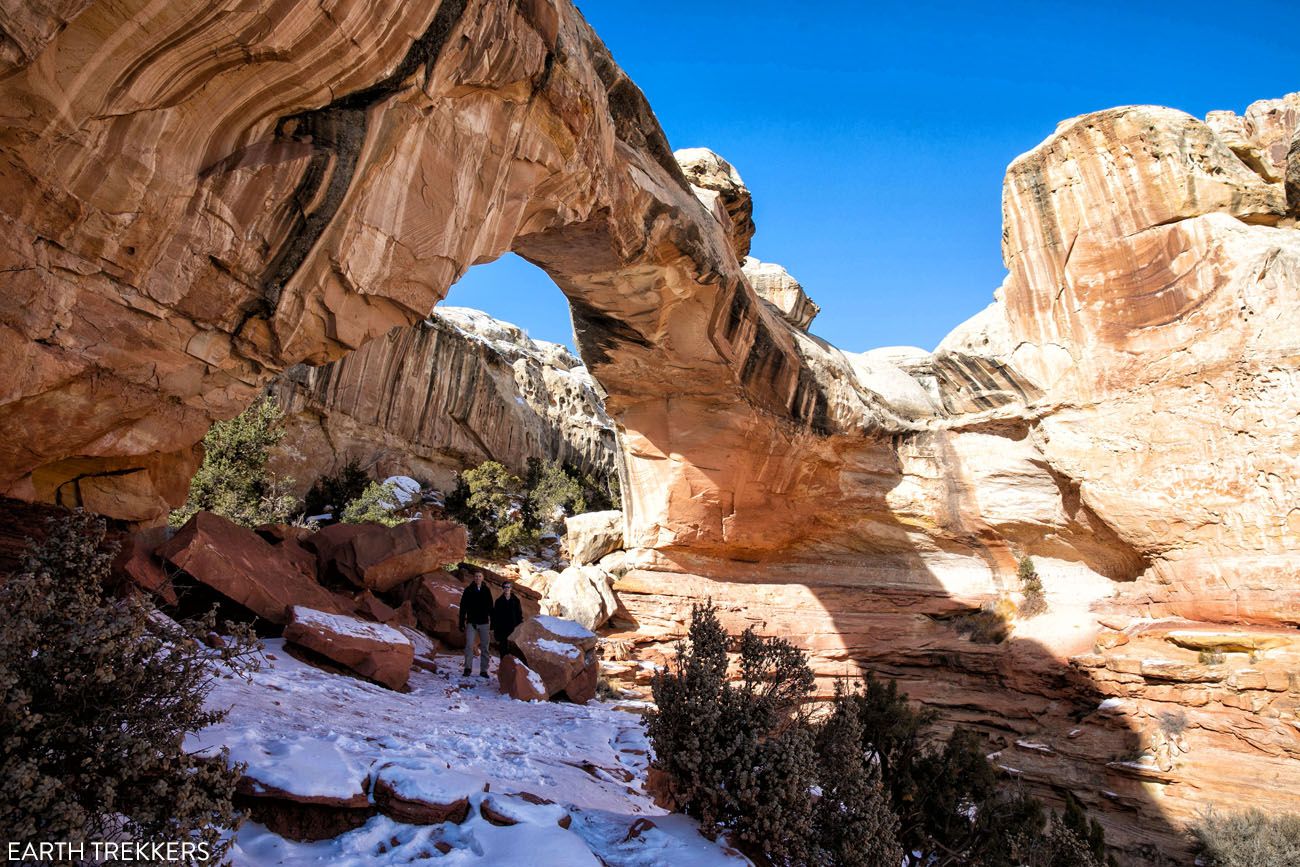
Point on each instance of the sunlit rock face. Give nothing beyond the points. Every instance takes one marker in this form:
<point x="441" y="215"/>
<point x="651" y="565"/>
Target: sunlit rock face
<point x="448" y="393"/>
<point x="198" y="197"/>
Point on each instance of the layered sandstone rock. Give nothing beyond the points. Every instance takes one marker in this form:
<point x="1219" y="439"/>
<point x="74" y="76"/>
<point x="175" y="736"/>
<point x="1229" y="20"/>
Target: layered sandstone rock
<point x="198" y="199"/>
<point x="450" y="392"/>
<point x="1117" y="413"/>
<point x="719" y="187"/>
<point x="774" y="285"/>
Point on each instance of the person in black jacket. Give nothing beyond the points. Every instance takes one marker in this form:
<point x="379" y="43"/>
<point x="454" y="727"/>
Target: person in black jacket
<point x="507" y="613"/>
<point x="475" y="615"/>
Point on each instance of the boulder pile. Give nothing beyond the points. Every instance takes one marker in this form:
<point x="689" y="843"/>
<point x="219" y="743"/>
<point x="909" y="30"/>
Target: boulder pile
<point x="555" y="657"/>
<point x="350" y="593"/>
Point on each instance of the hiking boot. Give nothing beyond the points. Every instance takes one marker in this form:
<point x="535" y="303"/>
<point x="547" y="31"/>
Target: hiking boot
<point x="484" y="674"/>
<point x="466" y="673"/>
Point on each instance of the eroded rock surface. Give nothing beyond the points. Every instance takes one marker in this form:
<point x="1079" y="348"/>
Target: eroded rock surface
<point x="198" y="199"/>
<point x="447" y="393"/>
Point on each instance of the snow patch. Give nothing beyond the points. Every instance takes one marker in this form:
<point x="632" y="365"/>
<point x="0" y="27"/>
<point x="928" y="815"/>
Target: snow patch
<point x="568" y="651"/>
<point x="427" y="783"/>
<point x="565" y="628"/>
<point x="342" y="625"/>
<point x="314" y="733"/>
<point x="406" y="490"/>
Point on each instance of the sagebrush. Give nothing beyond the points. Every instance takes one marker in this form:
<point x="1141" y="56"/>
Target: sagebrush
<point x="1248" y="838"/>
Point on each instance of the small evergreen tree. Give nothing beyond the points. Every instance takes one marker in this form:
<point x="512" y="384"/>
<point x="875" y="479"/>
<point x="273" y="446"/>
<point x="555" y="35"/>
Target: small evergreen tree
<point x="337" y="491"/>
<point x="375" y="505"/>
<point x="744" y="759"/>
<point x="855" y="825"/>
<point x="1031" y="586"/>
<point x="491" y="501"/>
<point x="98" y="695"/>
<point x="233" y="480"/>
<point x="553" y="492"/>
<point x="861" y="788"/>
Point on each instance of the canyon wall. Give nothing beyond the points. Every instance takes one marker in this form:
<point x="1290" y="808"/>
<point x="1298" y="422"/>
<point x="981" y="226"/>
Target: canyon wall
<point x="432" y="399"/>
<point x="199" y="197"/>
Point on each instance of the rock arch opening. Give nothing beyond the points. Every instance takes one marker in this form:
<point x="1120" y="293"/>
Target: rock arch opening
<point x="343" y="192"/>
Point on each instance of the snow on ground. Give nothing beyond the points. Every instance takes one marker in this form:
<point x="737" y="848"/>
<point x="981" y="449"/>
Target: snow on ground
<point x="309" y="731"/>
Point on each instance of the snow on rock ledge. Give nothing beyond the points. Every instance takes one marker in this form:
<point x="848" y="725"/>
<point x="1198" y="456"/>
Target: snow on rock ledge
<point x="420" y="794"/>
<point x="371" y="649"/>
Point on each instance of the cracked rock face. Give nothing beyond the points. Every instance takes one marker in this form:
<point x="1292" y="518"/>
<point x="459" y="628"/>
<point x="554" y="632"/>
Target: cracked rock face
<point x="197" y="198"/>
<point x="431" y="399"/>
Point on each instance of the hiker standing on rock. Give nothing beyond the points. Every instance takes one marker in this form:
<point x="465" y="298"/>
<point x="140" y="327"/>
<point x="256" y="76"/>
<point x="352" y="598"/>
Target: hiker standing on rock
<point x="506" y="615"/>
<point x="475" y="615"/>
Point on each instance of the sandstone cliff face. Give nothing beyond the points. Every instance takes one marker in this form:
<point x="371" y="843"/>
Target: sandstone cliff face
<point x="1124" y="412"/>
<point x="431" y="399"/>
<point x="198" y="198"/>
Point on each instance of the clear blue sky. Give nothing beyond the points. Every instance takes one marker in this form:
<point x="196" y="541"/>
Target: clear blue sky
<point x="874" y="136"/>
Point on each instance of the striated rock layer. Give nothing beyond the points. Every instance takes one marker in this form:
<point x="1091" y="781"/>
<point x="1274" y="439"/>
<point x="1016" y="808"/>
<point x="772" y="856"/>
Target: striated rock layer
<point x="198" y="197"/>
<point x="451" y="392"/>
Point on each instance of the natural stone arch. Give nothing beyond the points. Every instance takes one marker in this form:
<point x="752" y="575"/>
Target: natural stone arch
<point x="199" y="195"/>
<point x="172" y="249"/>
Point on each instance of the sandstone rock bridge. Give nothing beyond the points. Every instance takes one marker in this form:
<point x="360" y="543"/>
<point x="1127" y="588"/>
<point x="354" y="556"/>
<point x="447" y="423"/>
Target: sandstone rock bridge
<point x="198" y="195"/>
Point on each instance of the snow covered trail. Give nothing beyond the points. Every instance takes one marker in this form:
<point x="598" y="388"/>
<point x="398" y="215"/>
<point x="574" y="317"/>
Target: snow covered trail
<point x="315" y="733"/>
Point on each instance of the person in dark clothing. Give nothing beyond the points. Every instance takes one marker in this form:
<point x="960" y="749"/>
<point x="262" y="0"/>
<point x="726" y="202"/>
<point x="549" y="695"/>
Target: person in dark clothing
<point x="475" y="615"/>
<point x="507" y="613"/>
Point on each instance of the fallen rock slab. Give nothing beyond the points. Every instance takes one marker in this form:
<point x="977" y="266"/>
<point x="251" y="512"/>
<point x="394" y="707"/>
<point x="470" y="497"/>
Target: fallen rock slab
<point x="435" y="599"/>
<point x="245" y="568"/>
<point x="592" y="535"/>
<point x="517" y="680"/>
<point x="373" y="650"/>
<point x="380" y="558"/>
<point x="582" y="594"/>
<point x="582" y="688"/>
<point x="138" y="562"/>
<point x="302" y="788"/>
<point x="421" y="794"/>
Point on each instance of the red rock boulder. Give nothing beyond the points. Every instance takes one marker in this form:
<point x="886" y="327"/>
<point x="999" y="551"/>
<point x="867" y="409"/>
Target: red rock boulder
<point x="242" y="566"/>
<point x="380" y="558"/>
<point x="582" y="688"/>
<point x="137" y="562"/>
<point x="373" y="650"/>
<point x="561" y="652"/>
<point x="422" y="794"/>
<point x="435" y="598"/>
<point x="517" y="680"/>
